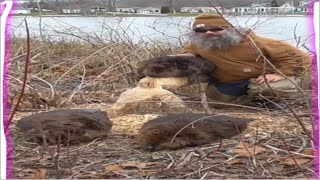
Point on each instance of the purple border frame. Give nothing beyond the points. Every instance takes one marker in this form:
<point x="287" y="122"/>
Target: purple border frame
<point x="6" y="113"/>
<point x="315" y="95"/>
<point x="315" y="98"/>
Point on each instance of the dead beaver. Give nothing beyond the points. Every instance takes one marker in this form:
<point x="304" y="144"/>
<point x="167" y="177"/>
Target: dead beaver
<point x="184" y="130"/>
<point x="195" y="68"/>
<point x="71" y="126"/>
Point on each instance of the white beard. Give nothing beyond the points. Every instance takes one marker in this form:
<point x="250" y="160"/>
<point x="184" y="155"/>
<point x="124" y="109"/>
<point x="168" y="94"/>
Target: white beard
<point x="229" y="39"/>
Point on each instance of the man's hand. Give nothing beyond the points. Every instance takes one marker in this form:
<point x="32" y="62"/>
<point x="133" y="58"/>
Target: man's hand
<point x="269" y="78"/>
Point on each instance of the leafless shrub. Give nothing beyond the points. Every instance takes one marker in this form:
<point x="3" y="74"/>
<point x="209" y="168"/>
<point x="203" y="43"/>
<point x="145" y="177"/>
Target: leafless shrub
<point x="105" y="60"/>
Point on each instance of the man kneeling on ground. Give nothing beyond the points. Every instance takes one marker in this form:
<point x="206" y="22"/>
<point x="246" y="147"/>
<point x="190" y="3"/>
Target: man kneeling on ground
<point x="239" y="66"/>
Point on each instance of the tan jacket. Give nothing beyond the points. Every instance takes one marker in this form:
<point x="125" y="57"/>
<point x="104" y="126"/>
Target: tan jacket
<point x="241" y="62"/>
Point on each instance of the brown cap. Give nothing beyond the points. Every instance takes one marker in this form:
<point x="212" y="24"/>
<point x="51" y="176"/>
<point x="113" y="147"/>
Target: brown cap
<point x="209" y="20"/>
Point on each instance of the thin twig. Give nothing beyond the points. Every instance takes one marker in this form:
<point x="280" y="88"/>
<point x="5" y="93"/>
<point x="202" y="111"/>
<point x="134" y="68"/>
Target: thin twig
<point x="290" y="154"/>
<point x="56" y="158"/>
<point x="254" y="146"/>
<point x="68" y="151"/>
<point x="50" y="85"/>
<point x="92" y="163"/>
<point x="172" y="161"/>
<point x="76" y="90"/>
<point x="90" y="56"/>
<point x="172" y="139"/>
<point x="285" y="151"/>
<point x="200" y="170"/>
<point x="26" y="67"/>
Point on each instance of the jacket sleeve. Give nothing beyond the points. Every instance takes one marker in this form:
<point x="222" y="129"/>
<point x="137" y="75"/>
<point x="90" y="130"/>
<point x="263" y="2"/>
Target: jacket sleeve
<point x="190" y="49"/>
<point x="290" y="60"/>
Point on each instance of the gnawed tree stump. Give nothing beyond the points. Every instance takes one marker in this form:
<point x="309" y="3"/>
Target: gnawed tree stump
<point x="184" y="130"/>
<point x="150" y="97"/>
<point x="70" y="125"/>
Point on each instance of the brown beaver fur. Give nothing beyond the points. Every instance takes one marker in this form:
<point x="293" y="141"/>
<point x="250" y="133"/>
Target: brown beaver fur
<point x="158" y="133"/>
<point x="72" y="126"/>
<point x="195" y="68"/>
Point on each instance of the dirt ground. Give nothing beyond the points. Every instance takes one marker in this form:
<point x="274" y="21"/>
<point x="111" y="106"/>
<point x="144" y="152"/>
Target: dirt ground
<point x="273" y="146"/>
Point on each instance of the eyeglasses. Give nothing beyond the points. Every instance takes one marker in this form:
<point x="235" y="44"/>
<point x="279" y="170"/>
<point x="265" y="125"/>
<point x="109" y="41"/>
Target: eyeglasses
<point x="204" y="30"/>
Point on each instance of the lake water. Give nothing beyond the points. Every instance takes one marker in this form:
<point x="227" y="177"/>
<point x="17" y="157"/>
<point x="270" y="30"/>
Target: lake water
<point x="164" y="29"/>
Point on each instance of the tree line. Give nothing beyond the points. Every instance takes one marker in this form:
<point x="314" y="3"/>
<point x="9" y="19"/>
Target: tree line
<point x="166" y="5"/>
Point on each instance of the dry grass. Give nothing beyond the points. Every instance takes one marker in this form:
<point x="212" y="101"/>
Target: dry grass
<point x="119" y="156"/>
<point x="80" y="75"/>
<point x="68" y="70"/>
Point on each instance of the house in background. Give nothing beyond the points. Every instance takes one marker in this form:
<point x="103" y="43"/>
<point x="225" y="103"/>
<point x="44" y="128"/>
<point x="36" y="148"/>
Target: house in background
<point x="71" y="9"/>
<point x="253" y="9"/>
<point x="286" y="8"/>
<point x="93" y="8"/>
<point x="139" y="10"/>
<point x="304" y="3"/>
<point x="149" y="10"/>
<point x="36" y="10"/>
<point x="303" y="7"/>
<point x="199" y="9"/>
<point x="126" y="9"/>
